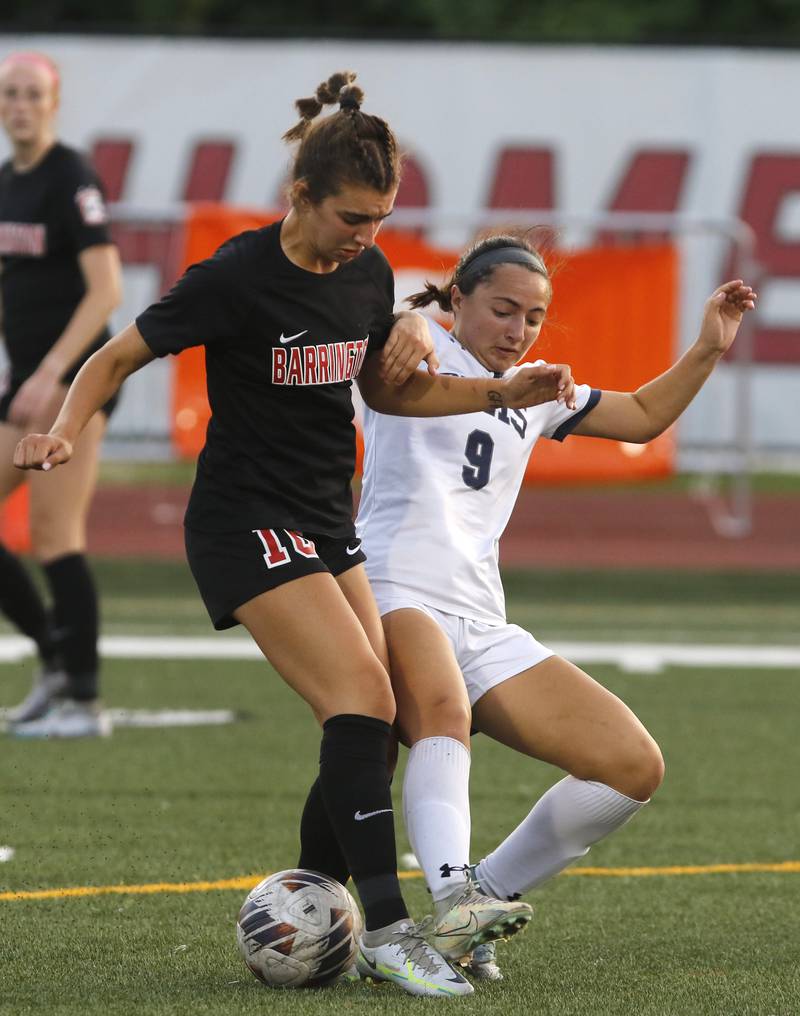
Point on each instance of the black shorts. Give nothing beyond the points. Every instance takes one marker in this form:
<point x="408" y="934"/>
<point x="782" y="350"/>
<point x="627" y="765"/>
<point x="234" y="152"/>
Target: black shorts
<point x="15" y="383"/>
<point x="232" y="568"/>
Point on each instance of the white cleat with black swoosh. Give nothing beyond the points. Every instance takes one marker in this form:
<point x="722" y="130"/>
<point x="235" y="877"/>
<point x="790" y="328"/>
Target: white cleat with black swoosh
<point x="468" y="919"/>
<point x="407" y="960"/>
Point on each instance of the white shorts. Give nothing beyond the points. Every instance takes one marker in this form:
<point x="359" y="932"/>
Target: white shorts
<point x="487" y="654"/>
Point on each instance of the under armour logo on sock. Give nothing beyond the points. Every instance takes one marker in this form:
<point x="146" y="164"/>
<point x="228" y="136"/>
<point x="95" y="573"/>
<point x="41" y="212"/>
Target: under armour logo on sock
<point x="446" y="870"/>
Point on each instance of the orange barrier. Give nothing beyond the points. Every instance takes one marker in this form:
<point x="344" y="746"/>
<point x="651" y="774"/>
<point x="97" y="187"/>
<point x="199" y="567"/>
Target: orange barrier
<point x="207" y="226"/>
<point x="613" y="319"/>
<point x="14" y="528"/>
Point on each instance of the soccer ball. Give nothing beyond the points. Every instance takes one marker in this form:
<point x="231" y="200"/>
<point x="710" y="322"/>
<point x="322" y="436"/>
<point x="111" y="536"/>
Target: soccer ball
<point x="298" y="929"/>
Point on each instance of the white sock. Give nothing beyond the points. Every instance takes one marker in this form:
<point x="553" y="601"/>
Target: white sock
<point x="560" y="828"/>
<point x="436" y="807"/>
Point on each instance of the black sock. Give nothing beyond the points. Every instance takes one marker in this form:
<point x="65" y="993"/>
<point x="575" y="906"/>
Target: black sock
<point x="354" y="783"/>
<point x="75" y="622"/>
<point x="319" y="849"/>
<point x="21" y="603"/>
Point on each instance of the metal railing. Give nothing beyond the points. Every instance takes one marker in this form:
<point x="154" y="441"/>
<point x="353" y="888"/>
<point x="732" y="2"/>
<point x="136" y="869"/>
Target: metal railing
<point x="725" y="488"/>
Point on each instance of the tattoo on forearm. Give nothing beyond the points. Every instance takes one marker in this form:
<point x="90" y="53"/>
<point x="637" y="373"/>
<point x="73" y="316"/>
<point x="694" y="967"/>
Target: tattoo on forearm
<point x="495" y="398"/>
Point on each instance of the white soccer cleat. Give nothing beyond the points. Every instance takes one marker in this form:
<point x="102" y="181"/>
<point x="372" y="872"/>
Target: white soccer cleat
<point x="48" y="684"/>
<point x="483" y="963"/>
<point x="67" y="718"/>
<point x="470" y="919"/>
<point x="408" y="961"/>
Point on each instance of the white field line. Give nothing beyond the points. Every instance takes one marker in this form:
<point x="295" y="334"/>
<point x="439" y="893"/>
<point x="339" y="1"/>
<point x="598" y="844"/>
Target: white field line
<point x="171" y="717"/>
<point x="160" y="718"/>
<point x="635" y="657"/>
<point x="647" y="657"/>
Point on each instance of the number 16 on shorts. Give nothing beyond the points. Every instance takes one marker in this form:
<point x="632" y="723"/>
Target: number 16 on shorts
<point x="277" y="544"/>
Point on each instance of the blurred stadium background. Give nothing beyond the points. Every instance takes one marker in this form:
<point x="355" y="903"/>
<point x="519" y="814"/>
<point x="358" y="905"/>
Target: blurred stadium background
<point x="657" y="146"/>
<point x="697" y="160"/>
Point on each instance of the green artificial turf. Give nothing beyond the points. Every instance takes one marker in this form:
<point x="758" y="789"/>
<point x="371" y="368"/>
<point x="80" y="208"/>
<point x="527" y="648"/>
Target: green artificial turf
<point x="202" y="804"/>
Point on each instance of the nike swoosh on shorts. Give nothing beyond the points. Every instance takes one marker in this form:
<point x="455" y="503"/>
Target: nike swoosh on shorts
<point x="354" y="550"/>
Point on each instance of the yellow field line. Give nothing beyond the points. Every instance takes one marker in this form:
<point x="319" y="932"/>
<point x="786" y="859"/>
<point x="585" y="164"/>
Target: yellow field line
<point x="243" y="882"/>
<point x="783" y="867"/>
<point x="248" y="881"/>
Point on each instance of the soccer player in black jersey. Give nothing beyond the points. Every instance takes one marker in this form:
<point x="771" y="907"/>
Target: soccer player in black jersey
<point x="59" y="281"/>
<point x="289" y="315"/>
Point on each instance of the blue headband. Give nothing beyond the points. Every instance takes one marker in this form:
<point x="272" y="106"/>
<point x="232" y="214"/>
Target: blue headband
<point x="503" y="256"/>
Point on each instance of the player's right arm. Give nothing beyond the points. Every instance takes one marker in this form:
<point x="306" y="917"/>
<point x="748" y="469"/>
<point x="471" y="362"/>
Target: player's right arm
<point x="97" y="381"/>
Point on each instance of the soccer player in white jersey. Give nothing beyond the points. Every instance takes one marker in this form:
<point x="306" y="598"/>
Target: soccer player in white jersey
<point x="436" y="498"/>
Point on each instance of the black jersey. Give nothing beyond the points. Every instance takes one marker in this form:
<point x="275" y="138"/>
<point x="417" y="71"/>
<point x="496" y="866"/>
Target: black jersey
<point x="282" y="346"/>
<point x="48" y="215"/>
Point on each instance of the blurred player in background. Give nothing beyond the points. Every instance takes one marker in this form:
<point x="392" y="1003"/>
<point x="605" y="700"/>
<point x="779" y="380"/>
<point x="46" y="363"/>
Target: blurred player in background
<point x="289" y="315"/>
<point x="60" y="281"/>
<point x="436" y="497"/>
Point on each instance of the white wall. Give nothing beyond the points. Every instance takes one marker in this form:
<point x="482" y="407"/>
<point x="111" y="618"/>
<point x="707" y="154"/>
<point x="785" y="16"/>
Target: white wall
<point x="455" y="107"/>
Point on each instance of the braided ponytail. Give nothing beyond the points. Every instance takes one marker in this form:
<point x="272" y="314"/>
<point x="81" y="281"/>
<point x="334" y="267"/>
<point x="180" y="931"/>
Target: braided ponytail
<point x="326" y="94"/>
<point x="347" y="147"/>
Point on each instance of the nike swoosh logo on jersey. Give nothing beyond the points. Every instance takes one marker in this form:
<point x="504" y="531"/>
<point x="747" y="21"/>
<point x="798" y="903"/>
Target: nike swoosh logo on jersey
<point x="359" y="817"/>
<point x="291" y="338"/>
<point x="354" y="550"/>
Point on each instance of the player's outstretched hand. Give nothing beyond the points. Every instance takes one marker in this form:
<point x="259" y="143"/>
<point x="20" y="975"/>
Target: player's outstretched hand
<point x="531" y="386"/>
<point x="723" y="314"/>
<point x="409" y="343"/>
<point x="42" y="451"/>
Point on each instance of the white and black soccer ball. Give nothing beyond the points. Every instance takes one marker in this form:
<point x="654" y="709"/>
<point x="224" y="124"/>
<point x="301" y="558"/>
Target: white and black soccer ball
<point x="298" y="929"/>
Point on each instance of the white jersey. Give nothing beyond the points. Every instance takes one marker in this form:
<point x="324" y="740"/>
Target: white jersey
<point x="438" y="491"/>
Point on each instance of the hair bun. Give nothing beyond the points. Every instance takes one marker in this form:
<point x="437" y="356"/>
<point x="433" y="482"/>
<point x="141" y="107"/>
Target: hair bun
<point x="350" y="99"/>
<point x="308" y="108"/>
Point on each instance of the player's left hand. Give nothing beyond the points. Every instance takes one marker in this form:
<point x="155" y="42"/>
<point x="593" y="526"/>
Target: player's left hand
<point x="723" y="314"/>
<point x="37" y="401"/>
<point x="409" y="343"/>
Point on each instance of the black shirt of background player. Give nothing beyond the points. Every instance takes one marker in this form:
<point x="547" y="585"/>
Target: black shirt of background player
<point x="48" y="215"/>
<point x="282" y="345"/>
